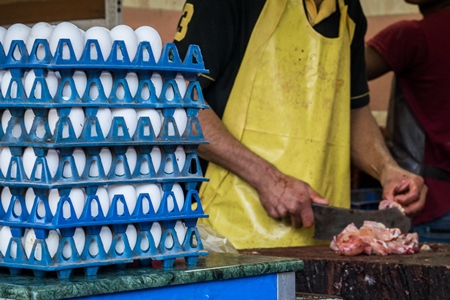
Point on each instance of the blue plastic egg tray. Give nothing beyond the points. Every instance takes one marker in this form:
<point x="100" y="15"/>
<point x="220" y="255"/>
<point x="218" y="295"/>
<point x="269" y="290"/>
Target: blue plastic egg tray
<point x="91" y="140"/>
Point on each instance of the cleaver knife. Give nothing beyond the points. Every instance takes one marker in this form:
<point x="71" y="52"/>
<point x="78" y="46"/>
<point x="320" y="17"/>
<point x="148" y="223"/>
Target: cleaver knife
<point x="330" y="221"/>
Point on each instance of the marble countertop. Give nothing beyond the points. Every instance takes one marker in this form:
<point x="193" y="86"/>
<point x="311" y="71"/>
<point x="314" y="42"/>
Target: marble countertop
<point x="214" y="266"/>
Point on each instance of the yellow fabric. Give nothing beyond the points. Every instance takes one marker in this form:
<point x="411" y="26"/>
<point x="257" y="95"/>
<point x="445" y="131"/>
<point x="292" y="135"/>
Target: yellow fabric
<point x="291" y="105"/>
<point x="327" y="7"/>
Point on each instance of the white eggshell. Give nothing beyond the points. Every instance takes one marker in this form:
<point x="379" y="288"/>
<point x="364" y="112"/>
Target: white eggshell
<point x="104" y="117"/>
<point x="106" y="158"/>
<point x="180" y="157"/>
<point x="80" y="160"/>
<point x="181" y="231"/>
<point x="6" y="80"/>
<point x="128" y="192"/>
<point x="52" y="158"/>
<point x="41" y="30"/>
<point x="102" y="195"/>
<point x="80" y="80"/>
<point x="125" y="33"/>
<point x="155" y="154"/>
<point x="154" y="191"/>
<point x="179" y="197"/>
<point x="29" y="160"/>
<point x="78" y="198"/>
<point x="156" y="232"/>
<point x="50" y="80"/>
<point x="130" y="117"/>
<point x="105" y="237"/>
<point x="16" y="31"/>
<point x="29" y="202"/>
<point x="182" y="87"/>
<point x="131" y="158"/>
<point x="52" y="119"/>
<point x="79" y="239"/>
<point x="133" y="83"/>
<point x="6" y="116"/>
<point x="66" y="30"/>
<point x="147" y="33"/>
<point x="5" y="159"/>
<point x="6" y="198"/>
<point x="156" y="79"/>
<point x="5" y="237"/>
<point x="76" y="116"/>
<point x="101" y="34"/>
<point x="154" y="116"/>
<point x="2" y="33"/>
<point x="107" y="82"/>
<point x="52" y="242"/>
<point x="131" y="234"/>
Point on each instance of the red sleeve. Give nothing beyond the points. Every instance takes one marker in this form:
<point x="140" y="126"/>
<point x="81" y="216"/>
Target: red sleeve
<point x="400" y="45"/>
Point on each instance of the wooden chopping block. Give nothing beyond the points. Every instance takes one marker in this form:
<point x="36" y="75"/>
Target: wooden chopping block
<point x="425" y="275"/>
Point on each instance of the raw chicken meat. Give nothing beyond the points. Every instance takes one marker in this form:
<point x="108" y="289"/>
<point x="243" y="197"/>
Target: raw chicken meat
<point x="374" y="238"/>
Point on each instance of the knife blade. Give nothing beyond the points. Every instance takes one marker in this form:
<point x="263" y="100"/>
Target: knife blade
<point x="330" y="221"/>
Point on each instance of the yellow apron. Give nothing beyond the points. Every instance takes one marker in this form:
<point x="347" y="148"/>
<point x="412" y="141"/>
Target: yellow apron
<point x="290" y="104"/>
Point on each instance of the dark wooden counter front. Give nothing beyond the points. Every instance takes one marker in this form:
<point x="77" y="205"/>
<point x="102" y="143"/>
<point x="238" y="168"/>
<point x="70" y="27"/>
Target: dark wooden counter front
<point x="425" y="275"/>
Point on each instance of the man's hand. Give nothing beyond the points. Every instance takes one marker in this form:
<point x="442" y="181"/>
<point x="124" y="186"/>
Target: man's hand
<point x="285" y="197"/>
<point x="405" y="188"/>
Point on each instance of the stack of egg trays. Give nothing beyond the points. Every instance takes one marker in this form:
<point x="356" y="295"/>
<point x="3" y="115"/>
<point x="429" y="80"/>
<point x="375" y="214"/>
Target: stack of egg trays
<point x="190" y="175"/>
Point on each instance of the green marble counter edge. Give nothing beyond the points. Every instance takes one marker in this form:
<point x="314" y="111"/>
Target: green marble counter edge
<point x="215" y="266"/>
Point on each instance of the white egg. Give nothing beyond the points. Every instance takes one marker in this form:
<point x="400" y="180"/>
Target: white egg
<point x="41" y="30"/>
<point x="30" y="197"/>
<point x="132" y="81"/>
<point x="125" y="33"/>
<point x="5" y="237"/>
<point x="180" y="117"/>
<point x="106" y="158"/>
<point x="131" y="234"/>
<point x="80" y="80"/>
<point x="106" y="238"/>
<point x="50" y="80"/>
<point x="102" y="195"/>
<point x="16" y="31"/>
<point x="76" y="116"/>
<point x="2" y="33"/>
<point x="7" y="83"/>
<point x="131" y="155"/>
<point x="79" y="239"/>
<point x="147" y="33"/>
<point x="5" y="159"/>
<point x="106" y="81"/>
<point x="154" y="192"/>
<point x="180" y="229"/>
<point x="156" y="232"/>
<point x="16" y="130"/>
<point x="77" y="197"/>
<point x="52" y="158"/>
<point x="101" y="34"/>
<point x="182" y="87"/>
<point x="52" y="242"/>
<point x="67" y="30"/>
<point x="180" y="157"/>
<point x="154" y="116"/>
<point x="155" y="154"/>
<point x="130" y="117"/>
<point x="179" y="197"/>
<point x="79" y="158"/>
<point x="104" y="117"/>
<point x="129" y="194"/>
<point x="156" y="79"/>
<point x="29" y="160"/>
<point x="6" y="198"/>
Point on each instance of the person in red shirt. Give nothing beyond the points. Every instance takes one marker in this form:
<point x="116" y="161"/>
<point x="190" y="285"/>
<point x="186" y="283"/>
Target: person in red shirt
<point x="417" y="51"/>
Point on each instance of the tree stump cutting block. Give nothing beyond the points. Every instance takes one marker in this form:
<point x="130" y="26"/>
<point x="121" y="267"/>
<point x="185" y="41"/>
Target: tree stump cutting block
<point x="425" y="275"/>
